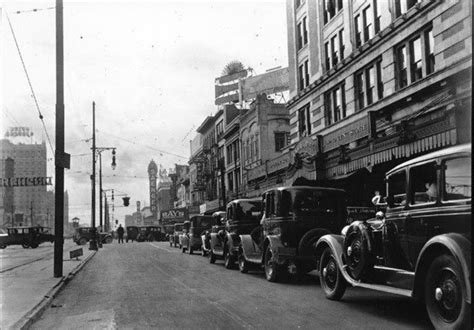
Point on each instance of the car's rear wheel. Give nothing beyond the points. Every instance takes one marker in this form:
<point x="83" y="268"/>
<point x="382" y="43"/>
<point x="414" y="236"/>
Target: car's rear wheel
<point x="2" y="246"/>
<point x="445" y="294"/>
<point x="273" y="271"/>
<point x="332" y="281"/>
<point x="34" y="245"/>
<point x="25" y="245"/>
<point x="212" y="257"/>
<point x="82" y="241"/>
<point x="108" y="240"/>
<point x="183" y="249"/>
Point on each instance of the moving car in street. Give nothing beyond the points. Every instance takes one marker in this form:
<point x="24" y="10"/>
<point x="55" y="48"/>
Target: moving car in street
<point x="149" y="234"/>
<point x="243" y="215"/>
<point x="174" y="237"/>
<point x="192" y="240"/>
<point x="293" y="220"/>
<point x="421" y="246"/>
<point x="131" y="233"/>
<point x="26" y="236"/>
<point x="82" y="235"/>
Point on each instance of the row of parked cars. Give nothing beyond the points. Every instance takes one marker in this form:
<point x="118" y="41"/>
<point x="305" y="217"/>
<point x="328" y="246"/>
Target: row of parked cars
<point x="419" y="247"/>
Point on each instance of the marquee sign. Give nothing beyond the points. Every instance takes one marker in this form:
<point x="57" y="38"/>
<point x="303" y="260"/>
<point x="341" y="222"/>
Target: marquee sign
<point x="174" y="215"/>
<point x="26" y="181"/>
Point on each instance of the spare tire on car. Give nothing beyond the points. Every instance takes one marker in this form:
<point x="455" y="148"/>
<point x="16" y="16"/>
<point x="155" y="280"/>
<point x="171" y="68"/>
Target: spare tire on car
<point x="357" y="250"/>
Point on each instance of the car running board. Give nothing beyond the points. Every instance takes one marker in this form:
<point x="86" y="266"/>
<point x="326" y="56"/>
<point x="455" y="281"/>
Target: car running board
<point x="384" y="288"/>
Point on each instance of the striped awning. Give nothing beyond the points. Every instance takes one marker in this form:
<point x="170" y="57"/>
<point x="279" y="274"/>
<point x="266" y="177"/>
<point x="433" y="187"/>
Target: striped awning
<point x="414" y="148"/>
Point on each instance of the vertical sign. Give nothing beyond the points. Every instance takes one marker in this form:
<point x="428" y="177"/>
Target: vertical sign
<point x="152" y="171"/>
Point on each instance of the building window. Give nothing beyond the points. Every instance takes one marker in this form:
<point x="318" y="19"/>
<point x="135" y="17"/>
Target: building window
<point x="369" y="85"/>
<point x="219" y="129"/>
<point x="367" y="24"/>
<point x="429" y="45"/>
<point x="299" y="3"/>
<point x="230" y="154"/>
<point x="280" y="140"/>
<point x="358" y="33"/>
<point x="334" y="104"/>
<point x="302" y="31"/>
<point x="411" y="54"/>
<point x="334" y="49"/>
<point x="303" y="73"/>
<point x="331" y="8"/>
<point x="402" y="6"/>
<point x="304" y="121"/>
<point x="230" y="181"/>
<point x="256" y="147"/>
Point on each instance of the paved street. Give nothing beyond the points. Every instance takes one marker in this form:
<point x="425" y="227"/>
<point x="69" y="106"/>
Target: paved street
<point x="151" y="285"/>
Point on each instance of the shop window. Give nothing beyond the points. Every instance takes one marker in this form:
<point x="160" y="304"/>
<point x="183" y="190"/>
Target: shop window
<point x="423" y="184"/>
<point x="304" y="122"/>
<point x="420" y="60"/>
<point x="458" y="179"/>
<point x="334" y="105"/>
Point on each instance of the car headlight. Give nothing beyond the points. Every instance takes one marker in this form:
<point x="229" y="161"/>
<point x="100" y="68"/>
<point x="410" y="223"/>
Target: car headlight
<point x="344" y="230"/>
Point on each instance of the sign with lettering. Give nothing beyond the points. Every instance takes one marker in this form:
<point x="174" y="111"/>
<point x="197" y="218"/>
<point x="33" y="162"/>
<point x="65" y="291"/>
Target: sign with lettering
<point x="76" y="253"/>
<point x="18" y="131"/>
<point x="26" y="181"/>
<point x="307" y="147"/>
<point x="350" y="133"/>
<point x="174" y="215"/>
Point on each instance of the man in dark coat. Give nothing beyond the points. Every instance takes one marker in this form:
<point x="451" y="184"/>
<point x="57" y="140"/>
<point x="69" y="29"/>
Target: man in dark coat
<point x="120" y="232"/>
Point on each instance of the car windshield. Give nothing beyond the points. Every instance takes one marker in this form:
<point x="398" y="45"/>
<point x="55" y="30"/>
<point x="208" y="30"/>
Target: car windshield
<point x="248" y="210"/>
<point x="309" y="202"/>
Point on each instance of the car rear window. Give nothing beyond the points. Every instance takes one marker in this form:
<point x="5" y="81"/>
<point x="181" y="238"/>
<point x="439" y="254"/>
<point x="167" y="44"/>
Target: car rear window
<point x="457" y="173"/>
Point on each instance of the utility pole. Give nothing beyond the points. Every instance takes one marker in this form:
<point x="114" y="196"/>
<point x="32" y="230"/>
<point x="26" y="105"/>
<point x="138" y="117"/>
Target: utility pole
<point x="93" y="241"/>
<point x="100" y="190"/>
<point x="31" y="212"/>
<point x="62" y="159"/>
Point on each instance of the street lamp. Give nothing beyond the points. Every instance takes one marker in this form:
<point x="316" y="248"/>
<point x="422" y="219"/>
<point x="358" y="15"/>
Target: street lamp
<point x="99" y="151"/>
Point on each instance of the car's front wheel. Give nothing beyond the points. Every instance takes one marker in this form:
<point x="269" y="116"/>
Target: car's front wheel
<point x="445" y="294"/>
<point x="332" y="281"/>
<point x="273" y="271"/>
<point x="108" y="240"/>
<point x="183" y="249"/>
<point x="83" y="241"/>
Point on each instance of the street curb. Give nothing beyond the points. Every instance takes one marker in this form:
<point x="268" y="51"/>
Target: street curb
<point x="35" y="313"/>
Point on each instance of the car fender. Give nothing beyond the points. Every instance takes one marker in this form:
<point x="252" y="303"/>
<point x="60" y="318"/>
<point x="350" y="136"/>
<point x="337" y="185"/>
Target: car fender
<point x="247" y="245"/>
<point x="274" y="241"/>
<point x="336" y="244"/>
<point x="214" y="240"/>
<point x="457" y="245"/>
<point x="233" y="241"/>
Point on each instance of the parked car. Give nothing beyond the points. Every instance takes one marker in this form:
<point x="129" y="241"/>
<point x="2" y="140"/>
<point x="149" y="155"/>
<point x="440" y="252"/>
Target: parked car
<point x="26" y="236"/>
<point x="82" y="235"/>
<point x="174" y="237"/>
<point x="3" y="238"/>
<point x="243" y="215"/>
<point x="421" y="246"/>
<point x="293" y="220"/>
<point x="131" y="233"/>
<point x="192" y="240"/>
<point x="206" y="235"/>
<point x="149" y="234"/>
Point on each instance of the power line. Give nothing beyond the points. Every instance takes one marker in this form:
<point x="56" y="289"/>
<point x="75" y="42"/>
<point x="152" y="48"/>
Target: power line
<point x="33" y="10"/>
<point x="29" y="83"/>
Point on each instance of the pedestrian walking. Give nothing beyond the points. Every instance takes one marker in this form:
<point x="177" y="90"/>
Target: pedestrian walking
<point x="120" y="232"/>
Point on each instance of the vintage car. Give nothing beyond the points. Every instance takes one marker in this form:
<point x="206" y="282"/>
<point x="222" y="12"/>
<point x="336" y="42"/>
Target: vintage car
<point x="26" y="236"/>
<point x="82" y="235"/>
<point x="131" y="233"/>
<point x="293" y="220"/>
<point x="206" y="235"/>
<point x="174" y="237"/>
<point x="421" y="246"/>
<point x="192" y="240"/>
<point x="243" y="215"/>
<point x="149" y="234"/>
<point x="3" y="238"/>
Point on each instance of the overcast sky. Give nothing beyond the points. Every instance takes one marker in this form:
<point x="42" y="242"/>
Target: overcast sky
<point x="149" y="66"/>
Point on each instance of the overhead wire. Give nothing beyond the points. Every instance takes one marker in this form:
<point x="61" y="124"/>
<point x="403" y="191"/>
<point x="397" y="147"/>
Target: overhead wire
<point x="29" y="83"/>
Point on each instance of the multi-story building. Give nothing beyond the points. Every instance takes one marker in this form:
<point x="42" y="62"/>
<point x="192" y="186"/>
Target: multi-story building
<point x="373" y="83"/>
<point x="264" y="132"/>
<point x="232" y="152"/>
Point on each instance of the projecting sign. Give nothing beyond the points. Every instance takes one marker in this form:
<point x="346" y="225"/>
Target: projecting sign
<point x="26" y="182"/>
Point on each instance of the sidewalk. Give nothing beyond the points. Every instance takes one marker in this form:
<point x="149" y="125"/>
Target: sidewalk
<point x="28" y="290"/>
